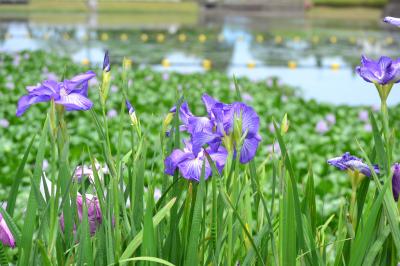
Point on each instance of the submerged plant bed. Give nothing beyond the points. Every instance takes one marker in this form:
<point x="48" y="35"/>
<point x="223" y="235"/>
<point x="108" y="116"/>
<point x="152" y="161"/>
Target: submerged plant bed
<point x="185" y="169"/>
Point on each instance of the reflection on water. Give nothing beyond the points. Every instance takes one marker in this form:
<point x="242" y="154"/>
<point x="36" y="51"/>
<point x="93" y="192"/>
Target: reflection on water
<point x="319" y="61"/>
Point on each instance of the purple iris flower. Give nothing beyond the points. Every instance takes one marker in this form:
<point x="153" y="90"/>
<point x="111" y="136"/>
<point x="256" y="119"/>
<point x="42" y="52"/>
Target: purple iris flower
<point x="106" y="62"/>
<point x="6" y="236"/>
<point x="190" y="122"/>
<point x="73" y="94"/>
<point x="190" y="165"/>
<point x="384" y="71"/>
<point x="352" y="163"/>
<point x="223" y="115"/>
<point x="392" y="20"/>
<point x="94" y="212"/>
<point x="130" y="108"/>
<point x="396" y="181"/>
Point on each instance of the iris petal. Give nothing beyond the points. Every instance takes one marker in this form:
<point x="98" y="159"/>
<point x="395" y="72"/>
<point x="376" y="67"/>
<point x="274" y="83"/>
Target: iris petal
<point x="392" y="20"/>
<point x="27" y="100"/>
<point x="75" y="102"/>
<point x="249" y="149"/>
<point x="172" y="161"/>
<point x="6" y="236"/>
<point x="191" y="169"/>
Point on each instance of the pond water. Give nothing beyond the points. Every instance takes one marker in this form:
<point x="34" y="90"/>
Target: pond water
<point x="318" y="57"/>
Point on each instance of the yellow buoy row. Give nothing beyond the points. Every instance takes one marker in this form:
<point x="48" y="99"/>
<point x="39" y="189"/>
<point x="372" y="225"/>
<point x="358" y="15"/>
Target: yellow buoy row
<point x="203" y="38"/>
<point x="207" y="64"/>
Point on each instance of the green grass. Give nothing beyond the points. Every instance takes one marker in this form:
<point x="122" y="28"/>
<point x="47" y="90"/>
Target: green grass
<point x="48" y="6"/>
<point x="351" y="3"/>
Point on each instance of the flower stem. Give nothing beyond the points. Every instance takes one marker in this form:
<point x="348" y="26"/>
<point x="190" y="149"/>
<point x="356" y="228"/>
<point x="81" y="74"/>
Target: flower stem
<point x="386" y="134"/>
<point x="353" y="207"/>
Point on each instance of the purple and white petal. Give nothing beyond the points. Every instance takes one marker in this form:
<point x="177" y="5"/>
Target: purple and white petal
<point x="191" y="169"/>
<point x="27" y="100"/>
<point x="75" y="102"/>
<point x="219" y="157"/>
<point x="172" y="161"/>
<point x="199" y="124"/>
<point x="393" y="21"/>
<point x="200" y="139"/>
<point x="249" y="149"/>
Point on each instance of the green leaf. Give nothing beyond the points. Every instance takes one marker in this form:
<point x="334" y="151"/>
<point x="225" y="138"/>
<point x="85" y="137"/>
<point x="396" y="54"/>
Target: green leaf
<point x="149" y="244"/>
<point x="32" y="205"/>
<point x="12" y="198"/>
<point x="287" y="227"/>
<point x="293" y="182"/>
<point x="365" y="231"/>
<point x="151" y="259"/>
<point x="376" y="247"/>
<point x="193" y="246"/>
<point x="135" y="243"/>
<point x="3" y="256"/>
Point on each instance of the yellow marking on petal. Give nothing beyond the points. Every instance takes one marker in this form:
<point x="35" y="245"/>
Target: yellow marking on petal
<point x="315" y="39"/>
<point x="297" y="39"/>
<point x="259" y="38"/>
<point x="66" y="36"/>
<point x="333" y="39"/>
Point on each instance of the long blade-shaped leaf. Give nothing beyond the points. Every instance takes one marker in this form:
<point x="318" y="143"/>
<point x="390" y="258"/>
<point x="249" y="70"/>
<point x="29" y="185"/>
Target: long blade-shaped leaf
<point x="32" y="205"/>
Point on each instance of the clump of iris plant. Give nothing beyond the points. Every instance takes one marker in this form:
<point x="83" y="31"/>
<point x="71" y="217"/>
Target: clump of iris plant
<point x="6" y="237"/>
<point x="228" y="129"/>
<point x="93" y="209"/>
<point x="72" y="94"/>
